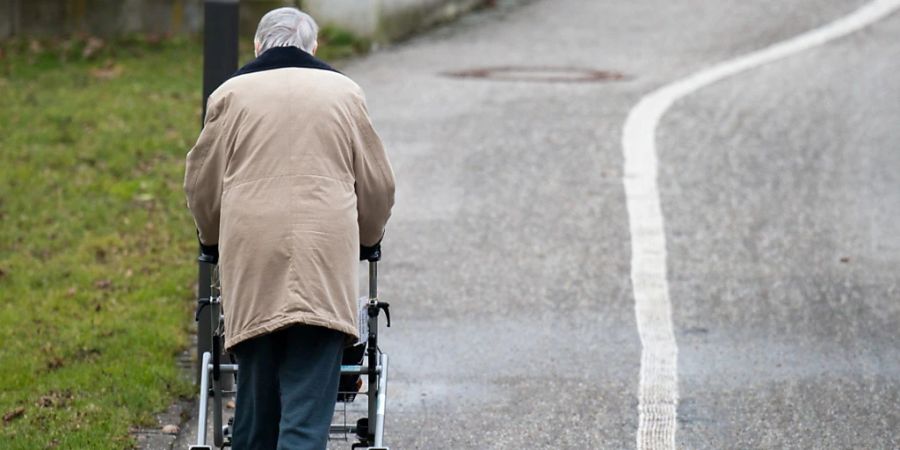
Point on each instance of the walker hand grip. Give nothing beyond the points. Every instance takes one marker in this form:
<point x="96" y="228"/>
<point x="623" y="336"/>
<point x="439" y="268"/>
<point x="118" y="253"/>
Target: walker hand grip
<point x="208" y="253"/>
<point x="371" y="254"/>
<point x="209" y="256"/>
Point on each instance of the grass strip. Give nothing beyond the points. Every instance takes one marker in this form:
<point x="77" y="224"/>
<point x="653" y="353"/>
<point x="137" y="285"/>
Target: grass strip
<point x="96" y="245"/>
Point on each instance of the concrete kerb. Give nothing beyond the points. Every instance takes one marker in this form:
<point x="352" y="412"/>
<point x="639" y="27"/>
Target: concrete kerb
<point x="172" y="424"/>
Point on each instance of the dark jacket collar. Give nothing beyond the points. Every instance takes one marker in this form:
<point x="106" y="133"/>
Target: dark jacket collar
<point x="283" y="57"/>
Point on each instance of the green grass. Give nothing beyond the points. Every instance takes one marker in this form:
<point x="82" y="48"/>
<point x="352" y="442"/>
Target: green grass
<point x="96" y="246"/>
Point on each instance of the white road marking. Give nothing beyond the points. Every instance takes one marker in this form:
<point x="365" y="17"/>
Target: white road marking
<point x="658" y="392"/>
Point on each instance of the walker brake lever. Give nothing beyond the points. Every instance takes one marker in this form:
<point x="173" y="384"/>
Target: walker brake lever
<point x="201" y="303"/>
<point x="387" y="311"/>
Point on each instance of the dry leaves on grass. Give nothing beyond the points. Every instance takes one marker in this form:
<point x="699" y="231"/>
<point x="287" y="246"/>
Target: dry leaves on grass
<point x="54" y="399"/>
<point x="92" y="46"/>
<point x="35" y="47"/>
<point x="109" y="71"/>
<point x="55" y="363"/>
<point x="14" y="414"/>
<point x="88" y="353"/>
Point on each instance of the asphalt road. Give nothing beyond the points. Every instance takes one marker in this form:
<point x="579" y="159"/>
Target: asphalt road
<point x="507" y="261"/>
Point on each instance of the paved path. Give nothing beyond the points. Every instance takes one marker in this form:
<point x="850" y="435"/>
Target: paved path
<point x="508" y="260"/>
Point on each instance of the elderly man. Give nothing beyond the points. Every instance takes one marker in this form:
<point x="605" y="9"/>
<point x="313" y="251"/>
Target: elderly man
<point x="290" y="180"/>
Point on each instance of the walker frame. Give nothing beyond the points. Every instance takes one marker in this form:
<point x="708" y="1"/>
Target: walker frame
<point x="217" y="388"/>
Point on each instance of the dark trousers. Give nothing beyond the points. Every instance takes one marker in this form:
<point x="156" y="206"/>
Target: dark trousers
<point x="287" y="386"/>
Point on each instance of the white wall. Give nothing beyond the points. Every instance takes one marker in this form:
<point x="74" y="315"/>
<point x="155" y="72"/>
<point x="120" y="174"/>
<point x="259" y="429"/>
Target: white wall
<point x="385" y="20"/>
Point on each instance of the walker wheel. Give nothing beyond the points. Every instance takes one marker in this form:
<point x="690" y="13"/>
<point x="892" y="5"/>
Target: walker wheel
<point x="362" y="429"/>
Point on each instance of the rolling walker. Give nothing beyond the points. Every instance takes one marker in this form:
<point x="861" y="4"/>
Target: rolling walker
<point x="365" y="360"/>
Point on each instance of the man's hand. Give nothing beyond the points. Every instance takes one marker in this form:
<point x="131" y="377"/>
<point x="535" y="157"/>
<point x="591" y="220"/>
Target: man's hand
<point x="370" y="254"/>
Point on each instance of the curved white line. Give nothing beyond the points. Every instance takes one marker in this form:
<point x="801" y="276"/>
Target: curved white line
<point x="658" y="392"/>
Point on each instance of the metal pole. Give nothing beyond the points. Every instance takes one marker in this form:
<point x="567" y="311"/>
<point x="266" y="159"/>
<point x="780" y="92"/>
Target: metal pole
<point x="220" y="44"/>
<point x="382" y="399"/>
<point x="220" y="59"/>
<point x="372" y="393"/>
<point x="373" y="280"/>
<point x="204" y="398"/>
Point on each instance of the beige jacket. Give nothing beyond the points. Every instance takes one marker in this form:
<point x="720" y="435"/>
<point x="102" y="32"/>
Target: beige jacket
<point x="288" y="176"/>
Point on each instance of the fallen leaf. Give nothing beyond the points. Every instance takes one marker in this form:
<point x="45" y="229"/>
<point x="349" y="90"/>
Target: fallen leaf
<point x="72" y="291"/>
<point x="87" y="353"/>
<point x="170" y="429"/>
<point x="55" y="363"/>
<point x="54" y="399"/>
<point x="129" y="273"/>
<point x="35" y="46"/>
<point x="107" y="73"/>
<point x="103" y="284"/>
<point x="93" y="45"/>
<point x="14" y="414"/>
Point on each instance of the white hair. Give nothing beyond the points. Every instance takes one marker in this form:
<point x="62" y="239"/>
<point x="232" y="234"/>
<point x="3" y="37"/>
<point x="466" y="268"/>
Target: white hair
<point x="286" y="27"/>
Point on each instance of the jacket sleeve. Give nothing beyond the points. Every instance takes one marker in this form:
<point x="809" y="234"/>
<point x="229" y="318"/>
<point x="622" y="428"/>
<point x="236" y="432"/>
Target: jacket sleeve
<point x="204" y="173"/>
<point x="374" y="178"/>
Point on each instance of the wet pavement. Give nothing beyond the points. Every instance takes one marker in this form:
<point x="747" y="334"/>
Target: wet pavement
<point x="507" y="258"/>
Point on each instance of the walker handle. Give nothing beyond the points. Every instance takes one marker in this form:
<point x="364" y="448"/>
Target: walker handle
<point x="208" y="253"/>
<point x="373" y="280"/>
<point x="370" y="254"/>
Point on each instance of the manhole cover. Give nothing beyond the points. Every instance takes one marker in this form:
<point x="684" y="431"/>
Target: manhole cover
<point x="541" y="74"/>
